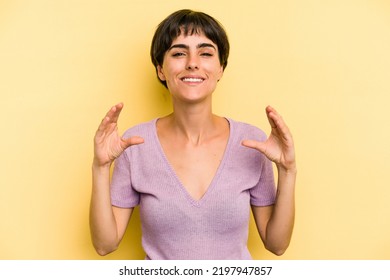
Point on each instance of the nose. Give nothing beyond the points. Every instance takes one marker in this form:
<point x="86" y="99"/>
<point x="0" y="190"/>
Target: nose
<point x="192" y="63"/>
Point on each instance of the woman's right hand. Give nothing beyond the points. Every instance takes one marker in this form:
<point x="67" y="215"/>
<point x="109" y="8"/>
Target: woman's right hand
<point x="108" y="144"/>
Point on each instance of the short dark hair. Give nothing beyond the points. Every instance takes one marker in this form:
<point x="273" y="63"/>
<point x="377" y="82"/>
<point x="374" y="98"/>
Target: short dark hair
<point x="189" y="22"/>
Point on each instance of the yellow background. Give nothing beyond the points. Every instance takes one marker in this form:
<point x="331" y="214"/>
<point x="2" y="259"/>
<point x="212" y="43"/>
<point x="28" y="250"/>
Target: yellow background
<point x="325" y="65"/>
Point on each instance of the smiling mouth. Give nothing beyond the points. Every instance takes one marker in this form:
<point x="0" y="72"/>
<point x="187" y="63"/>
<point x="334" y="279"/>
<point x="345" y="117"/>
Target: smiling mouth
<point x="192" y="80"/>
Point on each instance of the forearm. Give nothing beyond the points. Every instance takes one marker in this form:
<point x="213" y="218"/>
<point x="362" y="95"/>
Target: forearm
<point x="281" y="223"/>
<point x="102" y="220"/>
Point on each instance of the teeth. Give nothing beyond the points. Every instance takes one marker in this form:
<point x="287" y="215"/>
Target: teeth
<point x="193" y="80"/>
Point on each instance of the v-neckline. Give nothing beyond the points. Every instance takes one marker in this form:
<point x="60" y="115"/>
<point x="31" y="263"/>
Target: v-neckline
<point x="196" y="202"/>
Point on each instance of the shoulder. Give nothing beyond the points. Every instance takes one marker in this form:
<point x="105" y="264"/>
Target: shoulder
<point x="147" y="131"/>
<point x="246" y="130"/>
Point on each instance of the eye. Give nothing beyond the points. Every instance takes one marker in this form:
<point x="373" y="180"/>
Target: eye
<point x="178" y="54"/>
<point x="206" y="54"/>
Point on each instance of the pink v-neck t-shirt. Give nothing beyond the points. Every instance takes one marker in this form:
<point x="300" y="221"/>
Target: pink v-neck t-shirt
<point x="176" y="226"/>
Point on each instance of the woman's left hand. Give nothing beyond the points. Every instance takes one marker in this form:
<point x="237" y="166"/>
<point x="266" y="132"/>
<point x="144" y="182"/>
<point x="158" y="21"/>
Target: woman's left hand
<point x="279" y="147"/>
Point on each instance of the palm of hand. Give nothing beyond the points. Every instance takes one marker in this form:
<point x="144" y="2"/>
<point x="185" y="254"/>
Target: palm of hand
<point x="108" y="143"/>
<point x="279" y="147"/>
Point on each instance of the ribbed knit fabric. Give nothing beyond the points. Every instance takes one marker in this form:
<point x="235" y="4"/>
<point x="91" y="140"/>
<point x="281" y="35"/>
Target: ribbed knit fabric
<point x="174" y="225"/>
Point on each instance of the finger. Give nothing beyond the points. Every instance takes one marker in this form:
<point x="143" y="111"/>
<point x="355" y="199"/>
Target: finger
<point x="254" y="145"/>
<point x="103" y="125"/>
<point x="110" y="117"/>
<point x="135" y="140"/>
<point x="269" y="110"/>
<point x="114" y="113"/>
<point x="277" y="122"/>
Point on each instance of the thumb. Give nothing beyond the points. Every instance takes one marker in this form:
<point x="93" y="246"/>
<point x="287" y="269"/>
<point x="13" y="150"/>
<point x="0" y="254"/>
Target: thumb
<point x="135" y="140"/>
<point x="260" y="146"/>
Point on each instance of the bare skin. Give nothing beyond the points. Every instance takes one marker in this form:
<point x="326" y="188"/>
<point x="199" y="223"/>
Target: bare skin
<point x="275" y="223"/>
<point x="192" y="70"/>
<point x="195" y="161"/>
<point x="107" y="223"/>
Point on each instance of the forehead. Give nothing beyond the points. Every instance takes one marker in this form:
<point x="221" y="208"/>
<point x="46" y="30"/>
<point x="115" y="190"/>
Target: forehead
<point x="192" y="39"/>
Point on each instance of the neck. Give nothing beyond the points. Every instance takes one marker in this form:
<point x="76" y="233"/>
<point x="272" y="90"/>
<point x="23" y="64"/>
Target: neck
<point x="194" y="123"/>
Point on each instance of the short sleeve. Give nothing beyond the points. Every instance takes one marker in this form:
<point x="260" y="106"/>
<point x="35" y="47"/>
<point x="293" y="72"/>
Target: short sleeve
<point x="122" y="193"/>
<point x="264" y="193"/>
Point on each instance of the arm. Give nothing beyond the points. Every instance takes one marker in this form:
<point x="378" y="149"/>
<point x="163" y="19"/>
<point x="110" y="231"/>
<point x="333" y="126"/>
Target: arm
<point x="107" y="223"/>
<point x="275" y="223"/>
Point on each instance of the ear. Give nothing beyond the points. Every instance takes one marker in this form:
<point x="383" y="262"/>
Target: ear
<point x="220" y="73"/>
<point x="160" y="73"/>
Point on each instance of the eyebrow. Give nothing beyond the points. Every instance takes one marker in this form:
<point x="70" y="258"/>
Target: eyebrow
<point x="199" y="46"/>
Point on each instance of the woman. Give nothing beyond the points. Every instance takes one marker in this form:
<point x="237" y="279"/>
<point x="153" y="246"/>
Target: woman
<point x="193" y="174"/>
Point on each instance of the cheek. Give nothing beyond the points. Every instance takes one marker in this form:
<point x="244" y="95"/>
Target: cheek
<point x="171" y="70"/>
<point x="217" y="73"/>
<point x="214" y="68"/>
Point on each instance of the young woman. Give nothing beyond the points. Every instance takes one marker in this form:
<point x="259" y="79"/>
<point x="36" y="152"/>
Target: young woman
<point x="194" y="175"/>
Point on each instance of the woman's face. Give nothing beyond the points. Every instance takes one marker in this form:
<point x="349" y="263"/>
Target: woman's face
<point x="191" y="68"/>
